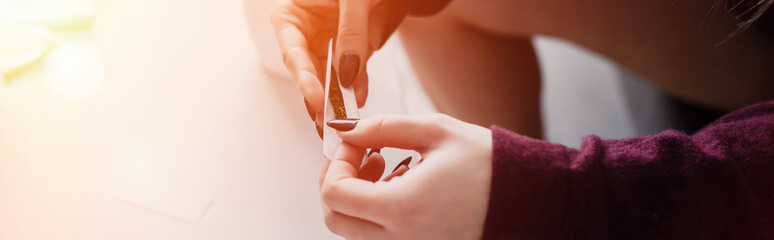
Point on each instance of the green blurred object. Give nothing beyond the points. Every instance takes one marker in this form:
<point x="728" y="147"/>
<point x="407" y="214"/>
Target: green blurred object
<point x="21" y="46"/>
<point x="26" y="30"/>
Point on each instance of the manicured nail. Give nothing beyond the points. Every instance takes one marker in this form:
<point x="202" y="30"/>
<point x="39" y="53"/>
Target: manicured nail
<point x="309" y="110"/>
<point x="319" y="130"/>
<point x="405" y="162"/>
<point x="374" y="150"/>
<point x="343" y="125"/>
<point x="398" y="172"/>
<point x="349" y="65"/>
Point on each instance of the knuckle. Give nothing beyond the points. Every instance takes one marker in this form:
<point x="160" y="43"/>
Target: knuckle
<point x="352" y="31"/>
<point x="279" y="12"/>
<point x="291" y="53"/>
<point x="379" y="123"/>
<point x="380" y="117"/>
<point x="306" y="86"/>
<point x="439" y="123"/>
<point x="275" y="12"/>
<point x="329" y="192"/>
<point x="352" y="28"/>
<point x="276" y="15"/>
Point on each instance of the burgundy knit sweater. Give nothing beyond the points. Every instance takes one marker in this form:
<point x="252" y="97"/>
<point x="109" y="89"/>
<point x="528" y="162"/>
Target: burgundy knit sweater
<point x="715" y="184"/>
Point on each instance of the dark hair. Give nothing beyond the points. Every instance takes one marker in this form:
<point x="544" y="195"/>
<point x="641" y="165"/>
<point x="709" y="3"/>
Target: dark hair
<point x="750" y="12"/>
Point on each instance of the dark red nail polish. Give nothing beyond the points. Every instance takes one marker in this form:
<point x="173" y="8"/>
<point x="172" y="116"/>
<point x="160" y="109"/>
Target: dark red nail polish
<point x="309" y="110"/>
<point x="319" y="130"/>
<point x="405" y="162"/>
<point x="397" y="173"/>
<point x="349" y="66"/>
<point x="374" y="150"/>
<point x="343" y="124"/>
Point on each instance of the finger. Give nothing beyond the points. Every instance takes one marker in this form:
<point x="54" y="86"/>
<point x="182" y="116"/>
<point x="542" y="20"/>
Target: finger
<point x="310" y="111"/>
<point x="400" y="131"/>
<point x="352" y="39"/>
<point x="373" y="169"/>
<point x="405" y="162"/>
<point x="342" y="191"/>
<point x="326" y="163"/>
<point x="320" y="118"/>
<point x="295" y="54"/>
<point x="319" y="130"/>
<point x="361" y="89"/>
<point x="374" y="150"/>
<point x="351" y="227"/>
<point x="383" y="21"/>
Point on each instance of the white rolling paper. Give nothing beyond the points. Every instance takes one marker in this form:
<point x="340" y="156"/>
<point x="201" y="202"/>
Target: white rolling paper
<point x="331" y="141"/>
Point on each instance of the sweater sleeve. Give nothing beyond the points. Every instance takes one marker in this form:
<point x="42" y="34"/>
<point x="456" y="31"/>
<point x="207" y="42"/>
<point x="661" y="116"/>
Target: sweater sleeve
<point x="715" y="184"/>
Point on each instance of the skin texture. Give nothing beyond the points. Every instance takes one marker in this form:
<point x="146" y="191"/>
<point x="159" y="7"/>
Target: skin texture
<point x="415" y="204"/>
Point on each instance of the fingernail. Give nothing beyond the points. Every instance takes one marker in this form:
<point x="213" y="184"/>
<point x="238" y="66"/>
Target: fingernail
<point x="374" y="150"/>
<point x="398" y="172"/>
<point x="349" y="65"/>
<point x="319" y="130"/>
<point x="405" y="162"/>
<point x="343" y="125"/>
<point x="309" y="110"/>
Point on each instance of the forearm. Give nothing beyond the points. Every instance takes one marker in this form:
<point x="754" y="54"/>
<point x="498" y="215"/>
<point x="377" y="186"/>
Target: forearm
<point x="474" y="75"/>
<point x="670" y="43"/>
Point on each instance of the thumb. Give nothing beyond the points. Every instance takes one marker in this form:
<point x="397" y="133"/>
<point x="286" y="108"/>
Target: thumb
<point x="420" y="133"/>
<point x="352" y="39"/>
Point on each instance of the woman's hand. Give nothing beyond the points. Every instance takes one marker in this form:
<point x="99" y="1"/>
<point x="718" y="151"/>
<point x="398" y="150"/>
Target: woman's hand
<point x="359" y="27"/>
<point x="443" y="197"/>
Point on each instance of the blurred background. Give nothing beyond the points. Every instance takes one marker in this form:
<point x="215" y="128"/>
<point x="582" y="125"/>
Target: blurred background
<point x="175" y="119"/>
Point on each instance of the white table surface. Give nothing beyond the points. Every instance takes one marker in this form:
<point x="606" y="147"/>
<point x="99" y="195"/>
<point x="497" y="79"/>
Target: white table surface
<point x="165" y="100"/>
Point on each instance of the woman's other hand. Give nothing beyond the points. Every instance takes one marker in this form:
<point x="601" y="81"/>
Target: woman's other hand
<point x="443" y="197"/>
<point x="304" y="27"/>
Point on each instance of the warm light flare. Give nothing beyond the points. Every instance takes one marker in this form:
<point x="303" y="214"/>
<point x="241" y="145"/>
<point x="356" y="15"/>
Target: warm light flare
<point x="25" y="30"/>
